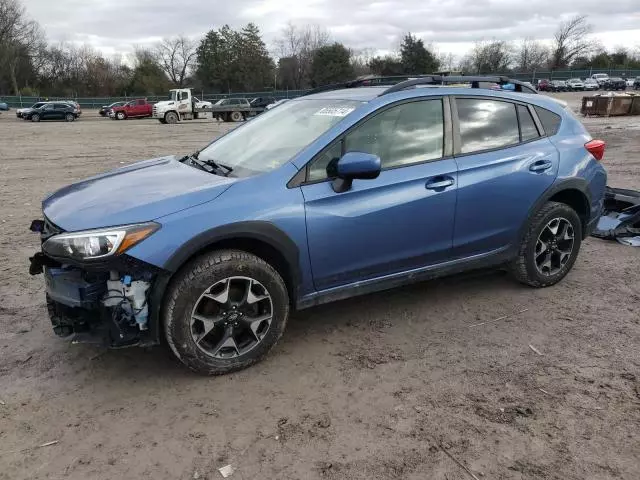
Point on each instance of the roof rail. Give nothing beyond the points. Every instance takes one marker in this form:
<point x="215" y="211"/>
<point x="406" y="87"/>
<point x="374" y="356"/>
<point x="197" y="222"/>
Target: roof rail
<point x="474" y="80"/>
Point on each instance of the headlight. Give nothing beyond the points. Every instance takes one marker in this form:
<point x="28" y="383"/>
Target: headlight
<point x="100" y="243"/>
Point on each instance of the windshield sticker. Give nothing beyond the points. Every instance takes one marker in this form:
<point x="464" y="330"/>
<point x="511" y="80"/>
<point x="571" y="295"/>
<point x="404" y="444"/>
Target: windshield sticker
<point x="335" y="111"/>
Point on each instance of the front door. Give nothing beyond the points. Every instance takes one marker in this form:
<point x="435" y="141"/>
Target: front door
<point x="47" y="112"/>
<point x="504" y="166"/>
<point x="399" y="221"/>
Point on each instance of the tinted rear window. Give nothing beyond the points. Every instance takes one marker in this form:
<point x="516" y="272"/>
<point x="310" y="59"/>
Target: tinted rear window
<point x="528" y="129"/>
<point x="550" y="121"/>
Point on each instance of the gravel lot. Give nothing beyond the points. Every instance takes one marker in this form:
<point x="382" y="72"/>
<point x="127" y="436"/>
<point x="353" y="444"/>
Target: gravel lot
<point x="392" y="385"/>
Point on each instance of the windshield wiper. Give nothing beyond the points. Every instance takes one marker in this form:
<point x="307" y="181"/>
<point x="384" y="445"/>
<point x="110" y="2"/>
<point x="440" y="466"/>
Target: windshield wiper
<point x="220" y="166"/>
<point x="209" y="165"/>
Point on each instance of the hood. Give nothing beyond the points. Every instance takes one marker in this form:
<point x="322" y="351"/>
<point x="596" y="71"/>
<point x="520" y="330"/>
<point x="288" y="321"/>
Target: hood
<point x="165" y="103"/>
<point x="140" y="192"/>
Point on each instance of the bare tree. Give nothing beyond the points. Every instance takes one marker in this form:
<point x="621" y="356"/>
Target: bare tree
<point x="360" y="60"/>
<point x="20" y="39"/>
<point x="488" y="57"/>
<point x="447" y="61"/>
<point x="570" y="41"/>
<point x="177" y="56"/>
<point x="297" y="45"/>
<point x="531" y="55"/>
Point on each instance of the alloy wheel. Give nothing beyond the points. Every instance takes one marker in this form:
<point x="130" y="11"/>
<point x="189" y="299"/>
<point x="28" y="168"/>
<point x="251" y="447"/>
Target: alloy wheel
<point x="554" y="246"/>
<point x="231" y="317"/>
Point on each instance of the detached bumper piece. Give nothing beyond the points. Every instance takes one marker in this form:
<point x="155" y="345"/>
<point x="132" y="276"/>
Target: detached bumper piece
<point x="621" y="217"/>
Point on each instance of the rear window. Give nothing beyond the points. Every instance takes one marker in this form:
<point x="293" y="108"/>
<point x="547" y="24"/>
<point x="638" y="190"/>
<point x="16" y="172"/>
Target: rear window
<point x="528" y="129"/>
<point x="550" y="121"/>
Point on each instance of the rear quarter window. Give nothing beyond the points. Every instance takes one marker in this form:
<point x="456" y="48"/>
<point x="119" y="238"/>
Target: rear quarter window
<point x="550" y="121"/>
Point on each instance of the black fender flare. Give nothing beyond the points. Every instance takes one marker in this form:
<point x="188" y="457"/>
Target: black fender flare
<point x="265" y="232"/>
<point x="579" y="184"/>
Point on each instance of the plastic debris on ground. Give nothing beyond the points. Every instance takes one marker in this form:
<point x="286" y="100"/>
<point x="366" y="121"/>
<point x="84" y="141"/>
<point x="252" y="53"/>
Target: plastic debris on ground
<point x="226" y="471"/>
<point x="620" y="219"/>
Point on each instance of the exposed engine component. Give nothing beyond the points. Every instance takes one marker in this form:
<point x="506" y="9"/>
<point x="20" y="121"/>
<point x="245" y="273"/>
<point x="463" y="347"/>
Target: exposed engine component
<point x="128" y="298"/>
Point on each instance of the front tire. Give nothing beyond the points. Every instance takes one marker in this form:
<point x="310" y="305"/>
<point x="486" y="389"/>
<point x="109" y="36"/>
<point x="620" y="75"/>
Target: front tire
<point x="35" y="117"/>
<point x="225" y="311"/>
<point x="550" y="246"/>
<point x="121" y="116"/>
<point x="171" y="117"/>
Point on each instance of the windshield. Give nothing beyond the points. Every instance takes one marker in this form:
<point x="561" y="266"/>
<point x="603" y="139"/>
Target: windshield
<point x="274" y="137"/>
<point x="173" y="96"/>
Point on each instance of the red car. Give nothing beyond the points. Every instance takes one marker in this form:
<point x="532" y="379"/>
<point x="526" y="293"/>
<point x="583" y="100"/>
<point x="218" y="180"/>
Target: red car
<point x="134" y="109"/>
<point x="544" y="85"/>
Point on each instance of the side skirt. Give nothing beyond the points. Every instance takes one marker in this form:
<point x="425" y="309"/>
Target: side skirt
<point x="493" y="258"/>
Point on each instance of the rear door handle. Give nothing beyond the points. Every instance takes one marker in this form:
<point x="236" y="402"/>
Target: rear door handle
<point x="540" y="166"/>
<point x="438" y="183"/>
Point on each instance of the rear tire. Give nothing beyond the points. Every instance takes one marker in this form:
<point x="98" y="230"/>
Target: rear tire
<point x="550" y="246"/>
<point x="224" y="297"/>
<point x="236" y="116"/>
<point x="69" y="117"/>
<point x="171" y="118"/>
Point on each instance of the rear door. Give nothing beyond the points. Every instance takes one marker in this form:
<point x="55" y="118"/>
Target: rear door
<point x="504" y="165"/>
<point x="397" y="222"/>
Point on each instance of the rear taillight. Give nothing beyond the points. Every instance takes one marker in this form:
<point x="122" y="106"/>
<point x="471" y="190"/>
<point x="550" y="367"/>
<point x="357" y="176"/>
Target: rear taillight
<point x="596" y="148"/>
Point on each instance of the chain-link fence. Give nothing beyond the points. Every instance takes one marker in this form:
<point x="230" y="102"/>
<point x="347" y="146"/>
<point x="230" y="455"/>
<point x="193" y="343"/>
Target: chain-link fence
<point x="97" y="102"/>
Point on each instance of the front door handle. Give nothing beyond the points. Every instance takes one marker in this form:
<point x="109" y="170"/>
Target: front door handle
<point x="540" y="166"/>
<point x="439" y="183"/>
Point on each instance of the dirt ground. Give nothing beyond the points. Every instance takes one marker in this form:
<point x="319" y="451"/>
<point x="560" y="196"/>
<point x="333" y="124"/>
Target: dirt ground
<point x="402" y="384"/>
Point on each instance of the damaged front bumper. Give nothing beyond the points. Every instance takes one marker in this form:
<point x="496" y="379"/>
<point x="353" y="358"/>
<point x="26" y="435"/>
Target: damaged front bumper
<point x="113" y="302"/>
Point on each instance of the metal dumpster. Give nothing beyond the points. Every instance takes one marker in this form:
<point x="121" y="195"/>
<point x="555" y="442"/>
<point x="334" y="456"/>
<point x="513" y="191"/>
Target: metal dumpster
<point x="602" y="105"/>
<point x="620" y="105"/>
<point x="635" y="106"/>
<point x="595" y="105"/>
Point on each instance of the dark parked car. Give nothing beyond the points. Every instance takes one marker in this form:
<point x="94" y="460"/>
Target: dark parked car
<point x="20" y="112"/>
<point x="558" y="86"/>
<point x="636" y="83"/>
<point x="544" y="85"/>
<point x="52" y="111"/>
<point x="4" y="106"/>
<point x="104" y="110"/>
<point x="261" y="102"/>
<point x="328" y="196"/>
<point x="614" y="83"/>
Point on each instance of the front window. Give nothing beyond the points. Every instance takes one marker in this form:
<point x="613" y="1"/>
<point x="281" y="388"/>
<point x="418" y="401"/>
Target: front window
<point x="173" y="96"/>
<point x="273" y="138"/>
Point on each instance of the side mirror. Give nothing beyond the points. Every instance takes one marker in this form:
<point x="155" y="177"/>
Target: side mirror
<point x="355" y="165"/>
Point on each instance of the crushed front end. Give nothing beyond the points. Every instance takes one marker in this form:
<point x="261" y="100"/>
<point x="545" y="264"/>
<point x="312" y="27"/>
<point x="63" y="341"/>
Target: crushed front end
<point x="94" y="292"/>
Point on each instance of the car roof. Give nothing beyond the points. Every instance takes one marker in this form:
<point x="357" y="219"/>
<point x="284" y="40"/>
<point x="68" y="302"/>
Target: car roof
<point x="367" y="94"/>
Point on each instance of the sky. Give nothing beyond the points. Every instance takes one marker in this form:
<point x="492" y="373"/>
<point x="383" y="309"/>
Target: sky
<point x="451" y="26"/>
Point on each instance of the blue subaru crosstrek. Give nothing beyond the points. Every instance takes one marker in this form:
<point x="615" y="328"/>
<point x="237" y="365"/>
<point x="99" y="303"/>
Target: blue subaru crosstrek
<point x="334" y="194"/>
